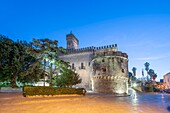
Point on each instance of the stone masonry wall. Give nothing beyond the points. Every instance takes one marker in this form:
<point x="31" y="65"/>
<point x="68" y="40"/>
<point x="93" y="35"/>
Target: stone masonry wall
<point x="84" y="71"/>
<point x="110" y="84"/>
<point x="110" y="72"/>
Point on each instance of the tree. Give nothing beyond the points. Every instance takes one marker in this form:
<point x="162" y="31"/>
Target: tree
<point x="5" y="48"/>
<point x="134" y="71"/>
<point x="152" y="74"/>
<point x="46" y="51"/>
<point x="147" y="68"/>
<point x="130" y="76"/>
<point x="67" y="77"/>
<point x="14" y="60"/>
<point x="155" y="76"/>
<point x="33" y="73"/>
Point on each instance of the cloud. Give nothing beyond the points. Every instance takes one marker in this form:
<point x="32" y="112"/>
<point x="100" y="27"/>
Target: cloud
<point x="154" y="57"/>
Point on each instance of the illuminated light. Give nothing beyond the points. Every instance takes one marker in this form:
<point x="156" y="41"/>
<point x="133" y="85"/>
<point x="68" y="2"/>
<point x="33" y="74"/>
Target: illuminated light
<point x="162" y="96"/>
<point x="134" y="84"/>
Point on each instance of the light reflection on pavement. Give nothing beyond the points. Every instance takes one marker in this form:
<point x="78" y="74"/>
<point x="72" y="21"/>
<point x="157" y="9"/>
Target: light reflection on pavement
<point x="91" y="103"/>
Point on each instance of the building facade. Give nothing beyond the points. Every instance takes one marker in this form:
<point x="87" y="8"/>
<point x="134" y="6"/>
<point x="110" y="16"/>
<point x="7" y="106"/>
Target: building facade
<point x="102" y="69"/>
<point x="167" y="81"/>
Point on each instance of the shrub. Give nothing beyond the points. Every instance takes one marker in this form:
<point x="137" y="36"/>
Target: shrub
<point x="44" y="90"/>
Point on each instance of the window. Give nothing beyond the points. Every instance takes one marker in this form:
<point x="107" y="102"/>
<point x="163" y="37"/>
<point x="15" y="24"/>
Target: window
<point x="123" y="70"/>
<point x="121" y="60"/>
<point x="112" y="59"/>
<point x="72" y="67"/>
<point x="103" y="60"/>
<point x="82" y="66"/>
<point x="104" y="70"/>
<point x="89" y="63"/>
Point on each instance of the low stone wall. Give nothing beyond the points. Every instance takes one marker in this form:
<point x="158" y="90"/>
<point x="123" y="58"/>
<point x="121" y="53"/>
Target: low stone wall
<point x="10" y="89"/>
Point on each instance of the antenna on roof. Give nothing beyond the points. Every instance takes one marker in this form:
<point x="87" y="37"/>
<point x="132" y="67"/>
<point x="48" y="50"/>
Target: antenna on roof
<point x="71" y="32"/>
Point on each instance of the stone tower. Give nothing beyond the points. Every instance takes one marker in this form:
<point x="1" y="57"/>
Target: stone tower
<point x="110" y="71"/>
<point x="72" y="41"/>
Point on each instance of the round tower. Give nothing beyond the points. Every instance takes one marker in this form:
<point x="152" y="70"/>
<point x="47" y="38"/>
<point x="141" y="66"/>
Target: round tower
<point x="110" y="71"/>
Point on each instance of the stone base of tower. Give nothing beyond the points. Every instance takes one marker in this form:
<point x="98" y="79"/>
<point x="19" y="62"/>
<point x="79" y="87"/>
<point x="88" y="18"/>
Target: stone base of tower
<point x="110" y="84"/>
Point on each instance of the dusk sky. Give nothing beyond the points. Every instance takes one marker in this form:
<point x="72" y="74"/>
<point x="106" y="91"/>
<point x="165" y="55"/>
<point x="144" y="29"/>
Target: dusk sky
<point x="141" y="28"/>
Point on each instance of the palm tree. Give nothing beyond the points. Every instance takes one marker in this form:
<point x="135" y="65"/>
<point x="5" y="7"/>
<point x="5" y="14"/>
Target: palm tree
<point x="152" y="74"/>
<point x="147" y="68"/>
<point x="155" y="76"/>
<point x="134" y="71"/>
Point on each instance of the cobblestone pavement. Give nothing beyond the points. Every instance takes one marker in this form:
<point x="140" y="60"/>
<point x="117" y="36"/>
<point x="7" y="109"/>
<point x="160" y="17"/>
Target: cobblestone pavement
<point x="91" y="103"/>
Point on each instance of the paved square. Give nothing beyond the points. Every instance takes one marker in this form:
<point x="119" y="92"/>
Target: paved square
<point x="91" y="103"/>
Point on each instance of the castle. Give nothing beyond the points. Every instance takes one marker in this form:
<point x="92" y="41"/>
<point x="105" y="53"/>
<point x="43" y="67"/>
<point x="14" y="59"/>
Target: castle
<point x="102" y="69"/>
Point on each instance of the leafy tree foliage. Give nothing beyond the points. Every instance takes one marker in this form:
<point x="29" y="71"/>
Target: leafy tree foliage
<point x="134" y="71"/>
<point x="152" y="74"/>
<point x="14" y="60"/>
<point x="28" y="62"/>
<point x="147" y="66"/>
<point x="5" y="49"/>
<point x="67" y="77"/>
<point x="46" y="52"/>
<point x="147" y="69"/>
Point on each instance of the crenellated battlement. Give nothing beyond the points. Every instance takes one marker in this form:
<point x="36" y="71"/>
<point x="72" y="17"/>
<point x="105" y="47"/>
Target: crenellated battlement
<point x="91" y="49"/>
<point x="111" y="53"/>
<point x="106" y="47"/>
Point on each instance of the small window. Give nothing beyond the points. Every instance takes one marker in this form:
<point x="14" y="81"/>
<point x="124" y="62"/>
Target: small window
<point x="89" y="63"/>
<point x="103" y="60"/>
<point x="121" y="60"/>
<point x="112" y="59"/>
<point x="82" y="66"/>
<point x="72" y="67"/>
<point x="123" y="70"/>
<point x="103" y="69"/>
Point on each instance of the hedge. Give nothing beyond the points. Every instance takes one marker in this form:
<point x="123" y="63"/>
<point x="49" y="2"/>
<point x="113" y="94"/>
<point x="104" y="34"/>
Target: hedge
<point x="46" y="90"/>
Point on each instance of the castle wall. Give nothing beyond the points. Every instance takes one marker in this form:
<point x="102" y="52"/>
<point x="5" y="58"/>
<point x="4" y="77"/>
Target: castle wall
<point x="80" y="62"/>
